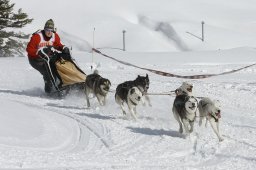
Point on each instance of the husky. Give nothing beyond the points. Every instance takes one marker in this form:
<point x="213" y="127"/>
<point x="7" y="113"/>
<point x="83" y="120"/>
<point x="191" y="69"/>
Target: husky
<point x="132" y="99"/>
<point x="186" y="89"/>
<point x="184" y="111"/>
<point x="97" y="85"/>
<point x="141" y="82"/>
<point x="210" y="109"/>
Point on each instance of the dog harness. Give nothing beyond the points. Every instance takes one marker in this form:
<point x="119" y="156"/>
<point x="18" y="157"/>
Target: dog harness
<point x="133" y="102"/>
<point x="215" y="116"/>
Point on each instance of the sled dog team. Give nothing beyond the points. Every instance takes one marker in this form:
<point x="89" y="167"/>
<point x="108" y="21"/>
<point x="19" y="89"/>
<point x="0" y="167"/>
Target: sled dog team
<point x="133" y="92"/>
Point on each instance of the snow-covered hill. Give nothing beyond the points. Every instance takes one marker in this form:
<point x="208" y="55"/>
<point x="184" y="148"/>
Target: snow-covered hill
<point x="38" y="132"/>
<point x="228" y="24"/>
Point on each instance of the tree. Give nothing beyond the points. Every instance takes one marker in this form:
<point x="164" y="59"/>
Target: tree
<point x="12" y="42"/>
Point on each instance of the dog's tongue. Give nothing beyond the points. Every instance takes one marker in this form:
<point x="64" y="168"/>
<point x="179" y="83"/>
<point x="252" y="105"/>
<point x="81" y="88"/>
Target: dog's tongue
<point x="218" y="115"/>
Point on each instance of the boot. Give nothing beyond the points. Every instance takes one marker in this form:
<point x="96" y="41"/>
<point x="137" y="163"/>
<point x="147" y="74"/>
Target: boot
<point x="47" y="86"/>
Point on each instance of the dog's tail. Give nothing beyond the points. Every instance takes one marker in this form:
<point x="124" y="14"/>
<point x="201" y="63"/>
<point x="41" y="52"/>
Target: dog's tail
<point x="95" y="72"/>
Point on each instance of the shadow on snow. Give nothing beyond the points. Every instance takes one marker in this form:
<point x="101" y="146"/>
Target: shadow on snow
<point x="156" y="132"/>
<point x="37" y="92"/>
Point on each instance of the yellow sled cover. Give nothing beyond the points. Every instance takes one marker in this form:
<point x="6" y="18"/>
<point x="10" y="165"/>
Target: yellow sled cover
<point x="69" y="72"/>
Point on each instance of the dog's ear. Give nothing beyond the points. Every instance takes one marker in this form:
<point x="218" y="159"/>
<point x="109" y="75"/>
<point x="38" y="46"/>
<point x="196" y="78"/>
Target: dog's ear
<point x="195" y="99"/>
<point x="109" y="82"/>
<point x="146" y="75"/>
<point x="132" y="91"/>
<point x="138" y="76"/>
<point x="187" y="98"/>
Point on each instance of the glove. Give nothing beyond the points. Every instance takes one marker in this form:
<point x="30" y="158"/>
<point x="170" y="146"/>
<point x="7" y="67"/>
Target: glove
<point x="65" y="50"/>
<point x="66" y="53"/>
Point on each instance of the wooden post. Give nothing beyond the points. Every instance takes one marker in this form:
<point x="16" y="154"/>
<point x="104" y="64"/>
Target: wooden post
<point x="124" y="40"/>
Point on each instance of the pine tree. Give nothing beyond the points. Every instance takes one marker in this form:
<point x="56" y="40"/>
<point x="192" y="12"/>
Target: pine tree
<point x="12" y="42"/>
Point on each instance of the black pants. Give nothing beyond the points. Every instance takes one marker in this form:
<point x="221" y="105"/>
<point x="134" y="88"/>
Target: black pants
<point x="42" y="66"/>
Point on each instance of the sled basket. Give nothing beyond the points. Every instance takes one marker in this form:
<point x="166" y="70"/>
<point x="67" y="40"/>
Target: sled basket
<point x="69" y="72"/>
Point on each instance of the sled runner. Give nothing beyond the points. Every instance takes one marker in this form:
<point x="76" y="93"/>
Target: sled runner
<point x="63" y="72"/>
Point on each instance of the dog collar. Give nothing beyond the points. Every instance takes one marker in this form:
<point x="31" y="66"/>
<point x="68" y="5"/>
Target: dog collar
<point x="133" y="102"/>
<point x="216" y="118"/>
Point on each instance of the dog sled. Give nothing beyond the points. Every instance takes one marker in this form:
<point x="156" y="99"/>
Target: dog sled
<point x="64" y="73"/>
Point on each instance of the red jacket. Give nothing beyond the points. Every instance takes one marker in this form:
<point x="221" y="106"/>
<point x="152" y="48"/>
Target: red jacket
<point x="39" y="40"/>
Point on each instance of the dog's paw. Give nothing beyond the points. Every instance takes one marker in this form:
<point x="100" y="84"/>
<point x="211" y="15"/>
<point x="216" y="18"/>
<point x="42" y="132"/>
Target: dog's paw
<point x="221" y="139"/>
<point x="135" y="119"/>
<point x="124" y="113"/>
<point x="200" y="122"/>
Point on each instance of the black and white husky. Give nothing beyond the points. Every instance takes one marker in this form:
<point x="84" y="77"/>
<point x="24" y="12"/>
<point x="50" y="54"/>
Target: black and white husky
<point x="210" y="109"/>
<point x="141" y="82"/>
<point x="184" y="111"/>
<point x="98" y="86"/>
<point x="122" y="90"/>
<point x="132" y="99"/>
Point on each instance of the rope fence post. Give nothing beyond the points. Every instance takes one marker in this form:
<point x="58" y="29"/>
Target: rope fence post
<point x="202" y="30"/>
<point x="92" y="46"/>
<point x="124" y="40"/>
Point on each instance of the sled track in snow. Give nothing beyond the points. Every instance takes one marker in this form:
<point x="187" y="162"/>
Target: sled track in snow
<point x="82" y="122"/>
<point x="86" y="123"/>
<point x="131" y="146"/>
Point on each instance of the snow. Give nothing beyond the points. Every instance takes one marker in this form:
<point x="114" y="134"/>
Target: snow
<point x="38" y="132"/>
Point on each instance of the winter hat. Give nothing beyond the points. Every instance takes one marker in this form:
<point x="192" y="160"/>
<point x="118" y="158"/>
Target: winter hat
<point x="49" y="25"/>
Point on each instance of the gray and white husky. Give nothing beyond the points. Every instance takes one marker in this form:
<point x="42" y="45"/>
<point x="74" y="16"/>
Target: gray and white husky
<point x="210" y="110"/>
<point x="184" y="111"/>
<point x="98" y="86"/>
<point x="185" y="88"/>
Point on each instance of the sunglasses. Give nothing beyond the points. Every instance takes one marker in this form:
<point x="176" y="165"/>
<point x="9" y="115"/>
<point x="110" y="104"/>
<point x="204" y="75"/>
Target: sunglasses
<point x="48" y="30"/>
